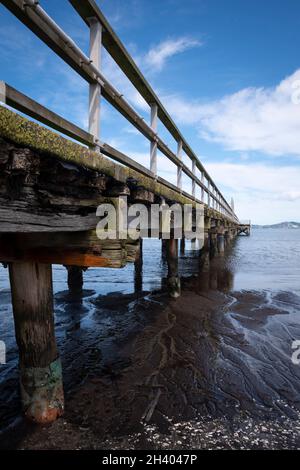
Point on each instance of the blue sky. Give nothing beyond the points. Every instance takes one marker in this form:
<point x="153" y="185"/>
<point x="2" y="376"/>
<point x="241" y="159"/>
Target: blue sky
<point x="227" y="70"/>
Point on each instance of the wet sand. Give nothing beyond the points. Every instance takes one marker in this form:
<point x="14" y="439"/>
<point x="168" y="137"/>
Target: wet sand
<point x="211" y="370"/>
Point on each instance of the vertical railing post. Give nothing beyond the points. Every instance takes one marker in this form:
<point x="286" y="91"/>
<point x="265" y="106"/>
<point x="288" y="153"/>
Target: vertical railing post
<point x="202" y="189"/>
<point x="95" y="88"/>
<point x="153" y="144"/>
<point x="193" y="181"/>
<point x="208" y="195"/>
<point x="179" y="168"/>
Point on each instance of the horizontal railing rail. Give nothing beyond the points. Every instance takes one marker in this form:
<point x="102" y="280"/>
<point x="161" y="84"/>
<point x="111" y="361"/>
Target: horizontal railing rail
<point x="33" y="16"/>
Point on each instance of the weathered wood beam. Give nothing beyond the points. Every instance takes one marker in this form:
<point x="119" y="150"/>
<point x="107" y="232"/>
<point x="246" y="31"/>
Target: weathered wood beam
<point x="40" y="367"/>
<point x="82" y="249"/>
<point x="52" y="256"/>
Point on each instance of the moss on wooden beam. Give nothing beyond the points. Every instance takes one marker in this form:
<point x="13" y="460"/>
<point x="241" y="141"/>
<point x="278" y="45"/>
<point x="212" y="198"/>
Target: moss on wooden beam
<point x="26" y="133"/>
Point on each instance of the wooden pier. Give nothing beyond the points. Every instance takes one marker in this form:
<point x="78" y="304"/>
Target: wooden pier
<point x="244" y="227"/>
<point x="51" y="186"/>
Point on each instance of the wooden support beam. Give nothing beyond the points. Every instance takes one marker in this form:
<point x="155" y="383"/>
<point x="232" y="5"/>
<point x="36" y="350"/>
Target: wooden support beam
<point x="172" y="260"/>
<point x="75" y="279"/>
<point x="182" y="245"/>
<point x="164" y="249"/>
<point x="213" y="249"/>
<point x="54" y="256"/>
<point x="138" y="268"/>
<point x="221" y="244"/>
<point x="131" y="249"/>
<point x="226" y="238"/>
<point x="82" y="249"/>
<point x="40" y="367"/>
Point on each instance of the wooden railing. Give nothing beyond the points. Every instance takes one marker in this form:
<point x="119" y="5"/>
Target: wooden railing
<point x="30" y="13"/>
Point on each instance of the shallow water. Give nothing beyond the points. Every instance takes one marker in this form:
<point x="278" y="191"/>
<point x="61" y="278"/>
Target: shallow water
<point x="223" y="349"/>
<point x="268" y="259"/>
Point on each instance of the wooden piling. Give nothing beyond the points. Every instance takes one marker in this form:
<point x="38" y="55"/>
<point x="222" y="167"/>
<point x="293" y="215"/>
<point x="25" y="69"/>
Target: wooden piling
<point x="212" y="244"/>
<point x="172" y="260"/>
<point x="221" y="244"/>
<point x="226" y="239"/>
<point x="182" y="245"/>
<point x="138" y="268"/>
<point x="75" y="279"/>
<point x="164" y="249"/>
<point x="205" y="254"/>
<point x="40" y="366"/>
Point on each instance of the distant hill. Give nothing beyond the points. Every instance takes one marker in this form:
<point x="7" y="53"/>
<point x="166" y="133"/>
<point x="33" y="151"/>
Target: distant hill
<point x="291" y="225"/>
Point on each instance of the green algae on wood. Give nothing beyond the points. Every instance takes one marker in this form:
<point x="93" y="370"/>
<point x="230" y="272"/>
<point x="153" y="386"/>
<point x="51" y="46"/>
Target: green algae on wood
<point x="24" y="132"/>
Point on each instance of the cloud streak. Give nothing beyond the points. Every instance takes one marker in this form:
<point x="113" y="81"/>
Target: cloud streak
<point x="157" y="56"/>
<point x="152" y="62"/>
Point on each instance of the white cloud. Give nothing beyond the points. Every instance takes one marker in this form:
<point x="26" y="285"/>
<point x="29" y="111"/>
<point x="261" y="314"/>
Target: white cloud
<point x="158" y="55"/>
<point x="263" y="193"/>
<point x="265" y="120"/>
